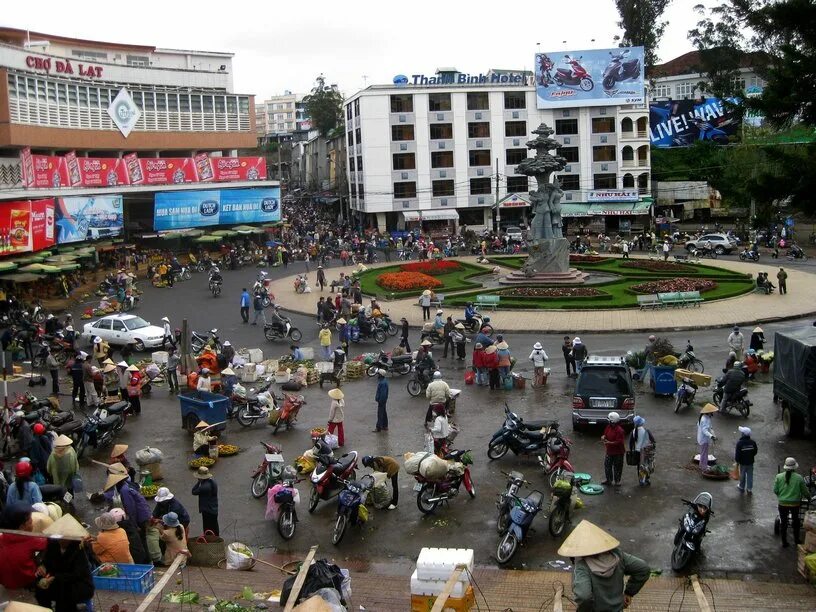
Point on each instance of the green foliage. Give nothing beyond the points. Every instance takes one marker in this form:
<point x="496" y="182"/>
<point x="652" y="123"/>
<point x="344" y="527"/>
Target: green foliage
<point x="324" y="105"/>
<point x="641" y="24"/>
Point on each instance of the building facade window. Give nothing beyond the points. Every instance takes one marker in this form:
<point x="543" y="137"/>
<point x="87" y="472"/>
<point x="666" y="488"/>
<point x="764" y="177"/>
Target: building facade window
<point x="439" y="102"/>
<point x="514" y="100"/>
<point x="515" y="156"/>
<point x="138" y="60"/>
<point x="569" y="182"/>
<point x="402" y="132"/>
<point x="479" y="157"/>
<point x="358" y="134"/>
<point x="402" y="103"/>
<point x="441" y="131"/>
<point x="359" y="163"/>
<point x="471" y="216"/>
<point x="442" y="188"/>
<point x="570" y="154"/>
<point x="684" y="90"/>
<point x="478" y="101"/>
<point x="406" y="189"/>
<point x="479" y="186"/>
<point x="566" y="126"/>
<point x="517" y="184"/>
<point x="662" y="90"/>
<point x="604" y="181"/>
<point x="404" y="161"/>
<point x="479" y="130"/>
<point x="603" y="125"/>
<point x="603" y="154"/>
<point x="514" y="129"/>
<point x="442" y="159"/>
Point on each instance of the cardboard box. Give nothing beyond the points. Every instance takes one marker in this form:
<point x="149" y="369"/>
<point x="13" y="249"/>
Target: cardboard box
<point x="810" y="542"/>
<point x="425" y="603"/>
<point x="701" y="380"/>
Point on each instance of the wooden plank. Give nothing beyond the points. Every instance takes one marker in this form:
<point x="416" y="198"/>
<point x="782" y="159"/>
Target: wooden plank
<point x="31" y="534"/>
<point x="559" y="593"/>
<point x="698" y="591"/>
<point x="159" y="586"/>
<point x="301" y="578"/>
<point x="439" y="604"/>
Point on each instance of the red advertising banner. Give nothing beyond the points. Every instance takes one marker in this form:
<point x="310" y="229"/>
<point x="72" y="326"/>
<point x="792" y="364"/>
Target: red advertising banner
<point x="26" y="226"/>
<point x="27" y="166"/>
<point x="103" y="171"/>
<point x="48" y="171"/>
<point x="226" y="169"/>
<point x="167" y="171"/>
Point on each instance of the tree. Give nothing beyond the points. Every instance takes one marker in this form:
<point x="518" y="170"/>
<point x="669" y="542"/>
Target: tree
<point x="642" y="27"/>
<point x="324" y="105"/>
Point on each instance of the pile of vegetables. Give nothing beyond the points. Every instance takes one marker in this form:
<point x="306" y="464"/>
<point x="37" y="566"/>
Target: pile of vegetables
<point x="148" y="491"/>
<point x="227" y="450"/>
<point x="201" y="462"/>
<point x="109" y="570"/>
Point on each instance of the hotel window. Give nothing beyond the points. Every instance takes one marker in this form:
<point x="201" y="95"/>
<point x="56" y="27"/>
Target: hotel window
<point x="439" y="102"/>
<point x="351" y="164"/>
<point x="477" y="101"/>
<point x="603" y="154"/>
<point x="479" y="157"/>
<point x="684" y="90"/>
<point x="358" y="134"/>
<point x="566" y="126"/>
<point x="603" y="125"/>
<point x="441" y="131"/>
<point x="515" y="100"/>
<point x="93" y="55"/>
<point x="517" y="184"/>
<point x="442" y="159"/>
<point x="570" y="154"/>
<point x="359" y="163"/>
<point x="402" y="132"/>
<point x="350" y="138"/>
<point x="402" y="103"/>
<point x="515" y="156"/>
<point x="605" y="181"/>
<point x="405" y="190"/>
<point x="569" y="182"/>
<point x="479" y="130"/>
<point x="196" y="103"/>
<point x="138" y="60"/>
<point x="442" y="188"/>
<point x="479" y="186"/>
<point x="404" y="161"/>
<point x="207" y="103"/>
<point x="515" y="128"/>
<point x="662" y="91"/>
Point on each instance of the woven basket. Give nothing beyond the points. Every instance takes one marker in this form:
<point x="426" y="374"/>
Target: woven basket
<point x="206" y="550"/>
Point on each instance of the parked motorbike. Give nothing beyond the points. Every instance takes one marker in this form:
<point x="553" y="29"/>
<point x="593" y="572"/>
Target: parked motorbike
<point x="255" y="405"/>
<point x="738" y="401"/>
<point x="517" y="436"/>
<point x="101" y="426"/>
<point x="692" y="530"/>
<point x="130" y="302"/>
<point x="560" y="505"/>
<point x="38" y="313"/>
<point x="556" y="460"/>
<point x="287" y="500"/>
<point x="199" y="341"/>
<point x="372" y="332"/>
<point x="401" y="364"/>
<point x="573" y="76"/>
<point x="215" y="287"/>
<point x="430" y="333"/>
<point x="521" y="518"/>
<point x="269" y="471"/>
<point x="509" y="499"/>
<point x="418" y="383"/>
<point x="619" y="69"/>
<point x="747" y="255"/>
<point x="431" y="493"/>
<point x="689" y="361"/>
<point x="328" y="476"/>
<point x="795" y="252"/>
<point x="274" y="332"/>
<point x="685" y="394"/>
<point x="289" y="412"/>
<point x="349" y="503"/>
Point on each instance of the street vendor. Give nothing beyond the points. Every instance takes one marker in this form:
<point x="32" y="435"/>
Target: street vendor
<point x="124" y="378"/>
<point x="111" y="380"/>
<point x="118" y="456"/>
<point x="228" y="381"/>
<point x="204" y="381"/>
<point x="202" y="439"/>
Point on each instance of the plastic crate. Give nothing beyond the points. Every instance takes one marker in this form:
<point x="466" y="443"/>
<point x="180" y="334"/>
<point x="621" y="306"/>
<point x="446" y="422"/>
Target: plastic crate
<point x="133" y="579"/>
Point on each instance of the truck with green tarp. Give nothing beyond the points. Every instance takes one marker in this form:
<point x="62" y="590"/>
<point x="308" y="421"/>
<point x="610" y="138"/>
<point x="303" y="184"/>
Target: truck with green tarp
<point x="794" y="379"/>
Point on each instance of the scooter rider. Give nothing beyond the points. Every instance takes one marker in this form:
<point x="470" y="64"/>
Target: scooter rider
<point x="470" y="312"/>
<point x="215" y="275"/>
<point x="438" y="394"/>
<point x="732" y="383"/>
<point x="276" y="320"/>
<point x="439" y="323"/>
<point x="424" y="361"/>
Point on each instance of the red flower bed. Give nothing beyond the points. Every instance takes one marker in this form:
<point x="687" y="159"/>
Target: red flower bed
<point x="551" y="292"/>
<point x="433" y="267"/>
<point x="654" y="266"/>
<point x="675" y="284"/>
<point x="586" y="258"/>
<point x="406" y="281"/>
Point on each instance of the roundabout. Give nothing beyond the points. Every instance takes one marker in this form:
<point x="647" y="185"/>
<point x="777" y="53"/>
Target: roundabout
<point x="727" y="290"/>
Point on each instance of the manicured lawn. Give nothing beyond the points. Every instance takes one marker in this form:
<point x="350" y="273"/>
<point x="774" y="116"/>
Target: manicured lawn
<point x="454" y="281"/>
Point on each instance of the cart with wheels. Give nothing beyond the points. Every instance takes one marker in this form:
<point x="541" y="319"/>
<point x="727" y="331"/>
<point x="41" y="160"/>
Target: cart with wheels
<point x="662" y="380"/>
<point x="203" y="406"/>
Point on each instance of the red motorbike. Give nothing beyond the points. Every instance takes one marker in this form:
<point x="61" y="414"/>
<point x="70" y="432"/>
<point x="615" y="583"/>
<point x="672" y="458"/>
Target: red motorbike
<point x="574" y="76"/>
<point x="328" y="475"/>
<point x="269" y="471"/>
<point x="556" y="460"/>
<point x="430" y="493"/>
<point x="289" y="412"/>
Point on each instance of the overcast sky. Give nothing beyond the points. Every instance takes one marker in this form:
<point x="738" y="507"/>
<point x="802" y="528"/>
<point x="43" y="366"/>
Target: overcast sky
<point x="284" y="45"/>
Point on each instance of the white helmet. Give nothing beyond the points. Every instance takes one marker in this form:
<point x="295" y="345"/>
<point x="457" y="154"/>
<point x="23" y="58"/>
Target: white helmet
<point x="437" y="375"/>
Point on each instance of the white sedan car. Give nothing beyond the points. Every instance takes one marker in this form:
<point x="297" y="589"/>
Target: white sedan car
<point x="121" y="329"/>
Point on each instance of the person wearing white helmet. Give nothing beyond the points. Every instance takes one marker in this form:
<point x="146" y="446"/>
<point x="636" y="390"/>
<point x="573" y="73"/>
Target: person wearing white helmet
<point x="613" y="439"/>
<point x="168" y="334"/>
<point x="744" y="454"/>
<point x="579" y="353"/>
<point x="539" y="358"/>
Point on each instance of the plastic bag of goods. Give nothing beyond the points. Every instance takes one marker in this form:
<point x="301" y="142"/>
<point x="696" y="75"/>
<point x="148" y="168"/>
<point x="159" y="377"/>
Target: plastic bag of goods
<point x="411" y="462"/>
<point x="455" y="468"/>
<point x="810" y="521"/>
<point x="562" y="488"/>
<point x="149" y="455"/>
<point x="239" y="557"/>
<point x="426" y="465"/>
<point x="305" y="465"/>
<point x="332" y="441"/>
<point x="152" y="371"/>
<point x="381" y="491"/>
<point x="239" y="390"/>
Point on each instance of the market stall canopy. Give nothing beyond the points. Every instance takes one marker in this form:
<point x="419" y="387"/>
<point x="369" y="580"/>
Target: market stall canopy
<point x="274" y="224"/>
<point x="224" y="233"/>
<point x="21" y="278"/>
<point x="5" y="266"/>
<point x="39" y="268"/>
<point x="247" y="229"/>
<point x="192" y="233"/>
<point x="62" y="259"/>
<point x="65" y="267"/>
<point x="273" y="243"/>
<point x="24" y="261"/>
<point x="645" y="208"/>
<point x="430" y="215"/>
<point x="208" y="238"/>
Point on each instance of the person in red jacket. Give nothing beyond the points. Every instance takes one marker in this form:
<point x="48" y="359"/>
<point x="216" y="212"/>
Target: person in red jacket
<point x="478" y="363"/>
<point x="17" y="571"/>
<point x="613" y="439"/>
<point x="491" y="362"/>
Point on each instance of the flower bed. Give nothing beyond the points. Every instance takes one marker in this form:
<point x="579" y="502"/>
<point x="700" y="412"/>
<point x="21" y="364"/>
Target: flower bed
<point x="653" y="266"/>
<point x="551" y="292"/>
<point x="675" y="284"/>
<point x="406" y="281"/>
<point x="586" y="258"/>
<point x="432" y="267"/>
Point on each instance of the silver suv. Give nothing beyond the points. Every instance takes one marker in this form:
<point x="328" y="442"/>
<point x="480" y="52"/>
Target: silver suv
<point x="719" y="242"/>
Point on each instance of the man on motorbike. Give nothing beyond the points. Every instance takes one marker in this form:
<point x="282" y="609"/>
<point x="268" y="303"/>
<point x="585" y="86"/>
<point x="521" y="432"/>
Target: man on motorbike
<point x="215" y="275"/>
<point x="438" y="394"/>
<point x="277" y="321"/>
<point x="424" y="362"/>
<point x="439" y="323"/>
<point x="470" y="312"/>
<point x="732" y="383"/>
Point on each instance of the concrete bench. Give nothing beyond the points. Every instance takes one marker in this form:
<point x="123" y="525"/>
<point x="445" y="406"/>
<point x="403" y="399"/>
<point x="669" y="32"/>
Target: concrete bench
<point x="690" y="258"/>
<point x="438" y="300"/>
<point x="648" y="301"/>
<point x="488" y="300"/>
<point x="691" y="298"/>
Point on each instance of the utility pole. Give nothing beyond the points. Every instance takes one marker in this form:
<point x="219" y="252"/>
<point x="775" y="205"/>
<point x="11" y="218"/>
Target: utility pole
<point x="496" y="203"/>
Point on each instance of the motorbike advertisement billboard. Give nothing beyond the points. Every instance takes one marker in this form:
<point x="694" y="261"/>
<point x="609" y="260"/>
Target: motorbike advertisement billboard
<point x="593" y="77"/>
<point x="183" y="209"/>
<point x="88" y="218"/>
<point x="680" y="123"/>
<point x="26" y="226"/>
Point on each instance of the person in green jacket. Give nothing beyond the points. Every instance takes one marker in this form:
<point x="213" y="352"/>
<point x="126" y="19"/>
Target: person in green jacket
<point x="62" y="464"/>
<point x="790" y="488"/>
<point x="600" y="568"/>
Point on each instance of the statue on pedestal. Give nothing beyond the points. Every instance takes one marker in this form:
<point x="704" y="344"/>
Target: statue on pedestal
<point x="546" y="199"/>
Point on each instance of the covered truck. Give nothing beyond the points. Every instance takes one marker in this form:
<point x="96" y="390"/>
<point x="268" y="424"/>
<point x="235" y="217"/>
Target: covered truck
<point x="794" y="379"/>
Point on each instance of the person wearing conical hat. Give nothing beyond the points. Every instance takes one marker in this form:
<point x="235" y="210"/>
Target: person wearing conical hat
<point x="757" y="339"/>
<point x="65" y="577"/>
<point x="110" y="378"/>
<point x="336" y="415"/>
<point x="62" y="464"/>
<point x="17" y="571"/>
<point x="207" y="491"/>
<point x="111" y="545"/>
<point x="705" y="433"/>
<point x="600" y="568"/>
<point x="202" y="437"/>
<point x="122" y="492"/>
<point x="118" y="456"/>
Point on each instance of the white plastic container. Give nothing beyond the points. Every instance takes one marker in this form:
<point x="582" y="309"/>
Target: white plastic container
<point x="435" y="587"/>
<point x="283" y="376"/>
<point x="159" y="357"/>
<point x="255" y="355"/>
<point x="308" y="352"/>
<point x="439" y="563"/>
<point x="249" y="374"/>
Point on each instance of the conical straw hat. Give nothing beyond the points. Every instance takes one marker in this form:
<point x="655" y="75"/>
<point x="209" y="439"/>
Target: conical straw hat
<point x="119" y="449"/>
<point x="587" y="539"/>
<point x="708" y="409"/>
<point x="40" y="522"/>
<point x="19" y="606"/>
<point x="116" y="474"/>
<point x="67" y="526"/>
<point x="63" y="440"/>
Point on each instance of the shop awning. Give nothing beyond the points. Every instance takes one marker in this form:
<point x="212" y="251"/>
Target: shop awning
<point x="575" y="210"/>
<point x="643" y="208"/>
<point x="208" y="238"/>
<point x="610" y="209"/>
<point x="21" y="278"/>
<point x="410" y="215"/>
<point x="430" y="215"/>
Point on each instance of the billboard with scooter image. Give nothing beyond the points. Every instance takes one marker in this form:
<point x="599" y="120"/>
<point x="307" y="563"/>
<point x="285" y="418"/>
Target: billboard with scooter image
<point x="594" y="77"/>
<point x="681" y="123"/>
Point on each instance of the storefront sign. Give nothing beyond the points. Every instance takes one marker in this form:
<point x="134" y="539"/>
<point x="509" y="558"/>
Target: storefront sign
<point x="460" y="78"/>
<point x="613" y="195"/>
<point x="52" y="65"/>
<point x="162" y="171"/>
<point x="41" y="171"/>
<point x="88" y="218"/>
<point x="123" y="112"/>
<point x="26" y="226"/>
<point x="182" y="209"/>
<point x="514" y="200"/>
<point x="226" y="169"/>
<point x="101" y="171"/>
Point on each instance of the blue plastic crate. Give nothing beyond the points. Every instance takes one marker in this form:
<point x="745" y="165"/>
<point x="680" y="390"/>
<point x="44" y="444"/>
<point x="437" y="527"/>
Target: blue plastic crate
<point x="133" y="579"/>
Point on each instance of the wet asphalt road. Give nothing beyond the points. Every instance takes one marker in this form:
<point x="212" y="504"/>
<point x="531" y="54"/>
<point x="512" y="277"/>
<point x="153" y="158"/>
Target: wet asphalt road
<point x="644" y="519"/>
